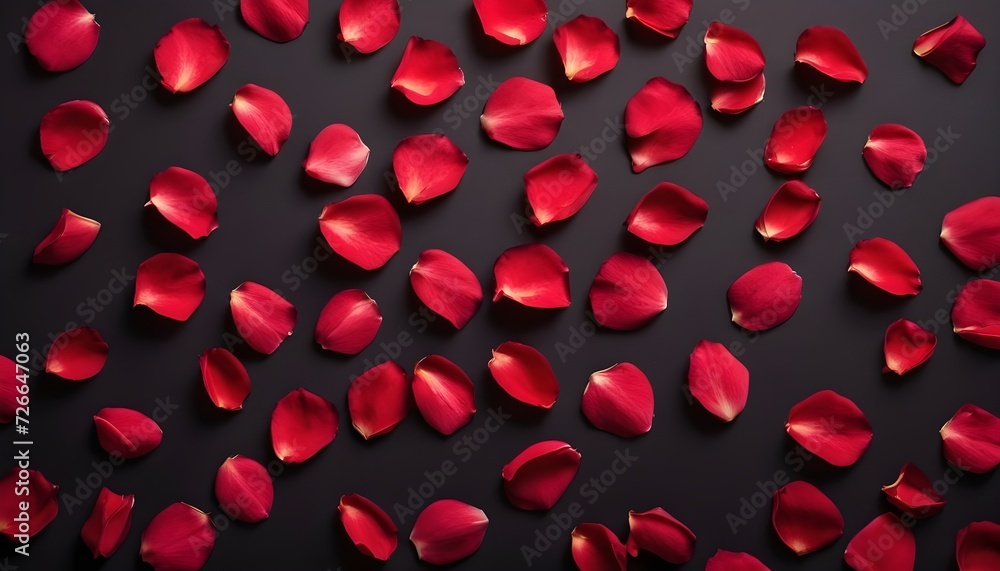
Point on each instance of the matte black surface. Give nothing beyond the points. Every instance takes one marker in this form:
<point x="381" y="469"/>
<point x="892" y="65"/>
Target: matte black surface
<point x="691" y="465"/>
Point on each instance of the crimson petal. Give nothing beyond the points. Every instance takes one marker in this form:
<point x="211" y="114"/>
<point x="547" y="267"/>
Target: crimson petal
<point x="972" y="440"/>
<point x="68" y="240"/>
<point x="522" y="114"/>
<point x="428" y="166"/>
<point x="913" y="493"/>
<point x="244" y="489"/>
<point x="179" y="538"/>
<point x="789" y="211"/>
<point x="662" y="121"/>
<point x="733" y="561"/>
<point x="661" y="534"/>
<point x="379" y="400"/>
<point x="895" y="154"/>
<point x="619" y="400"/>
<point x="976" y="313"/>
<point x="127" y="433"/>
<point x="61" y="35"/>
<point x="302" y="424"/>
<point x="884" y="264"/>
<point x="951" y="47"/>
<point x="447" y="531"/>
<point x="665" y="17"/>
<point x="185" y="199"/>
<point x="337" y="155"/>
<point x="830" y="426"/>
<point x="558" y="187"/>
<point x="718" y="380"/>
<point x="907" y="346"/>
<point x="369" y="527"/>
<point x="444" y="394"/>
<point x="597" y="548"/>
<point x="368" y="25"/>
<point x="795" y="139"/>
<point x="829" y="51"/>
<point x="765" y="297"/>
<point x="364" y="229"/>
<point x="533" y="275"/>
<point x="72" y="133"/>
<point x="512" y="22"/>
<point x="627" y="292"/>
<point x="265" y="116"/>
<point x="262" y="317"/>
<point x="428" y="72"/>
<point x="348" y="322"/>
<point x="172" y="285"/>
<point x="587" y="46"/>
<point x="977" y="546"/>
<point x="42" y="507"/>
<point x="276" y="20"/>
<point x="972" y="232"/>
<point x="9" y="388"/>
<point x="732" y="54"/>
<point x="525" y="374"/>
<point x="735" y="97"/>
<point x="189" y="54"/>
<point x="105" y="530"/>
<point x="77" y="354"/>
<point x="867" y="551"/>
<point x="805" y="518"/>
<point x="667" y="215"/>
<point x="446" y="286"/>
<point x="538" y="477"/>
<point x="225" y="378"/>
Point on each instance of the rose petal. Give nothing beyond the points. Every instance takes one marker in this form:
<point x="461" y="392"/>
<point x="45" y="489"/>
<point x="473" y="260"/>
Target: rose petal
<point x="276" y="20"/>
<point x="72" y="133"/>
<point x="108" y="525"/>
<point x="302" y="424"/>
<point x="884" y="264"/>
<point x="587" y="46"/>
<point x="972" y="440"/>
<point x="179" y="538"/>
<point x="830" y="426"/>
<point x="667" y="215"/>
<point x="42" y="507"/>
<point x="190" y="53"/>
<point x="659" y="533"/>
<point x="348" y="322"/>
<point x="522" y="114"/>
<point x="225" y="378"/>
<point x="337" y="155"/>
<point x="446" y="286"/>
<point x="765" y="297"/>
<point x="735" y="97"/>
<point x="185" y="199"/>
<point x="558" y="187"/>
<point x="77" y="354"/>
<point x="379" y="400"/>
<point x="447" y="531"/>
<point x="790" y="210"/>
<point x="11" y="378"/>
<point x="512" y="22"/>
<point x="952" y="47"/>
<point x="533" y="275"/>
<point x="244" y="489"/>
<point x="829" y="51"/>
<point x="68" y="240"/>
<point x="538" y="477"/>
<point x="172" y="285"/>
<point x="619" y="400"/>
<point x="61" y="35"/>
<point x="444" y="394"/>
<point x="627" y="293"/>
<point x="127" y="433"/>
<point x="732" y="54"/>
<point x="597" y="548"/>
<point x="805" y="518"/>
<point x="913" y="493"/>
<point x="895" y="155"/>
<point x="262" y="317"/>
<point x="364" y="229"/>
<point x="369" y="527"/>
<point x="972" y="232"/>
<point x="885" y="544"/>
<point x="718" y="380"/>
<point x="795" y="139"/>
<point x="977" y="546"/>
<point x="428" y="166"/>
<point x="665" y="17"/>
<point x="524" y="374"/>
<point x="428" y="72"/>
<point x="663" y="122"/>
<point x="732" y="561"/>
<point x="907" y="346"/>
<point x="976" y="313"/>
<point x="368" y="25"/>
<point x="265" y="116"/>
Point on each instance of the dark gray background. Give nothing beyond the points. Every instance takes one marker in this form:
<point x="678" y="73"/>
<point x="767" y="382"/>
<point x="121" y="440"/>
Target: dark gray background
<point x="689" y="464"/>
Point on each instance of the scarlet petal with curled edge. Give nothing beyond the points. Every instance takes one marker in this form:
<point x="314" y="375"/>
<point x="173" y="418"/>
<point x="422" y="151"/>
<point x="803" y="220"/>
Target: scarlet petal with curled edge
<point x="765" y="297"/>
<point x="348" y="322"/>
<point x="379" y="400"/>
<point x="794" y="140"/>
<point x="977" y="546"/>
<point x="899" y="556"/>
<point x="829" y="51"/>
<point x="512" y="22"/>
<point x="972" y="440"/>
<point x="907" y="346"/>
<point x="179" y="538"/>
<point x="667" y="215"/>
<point x="225" y="378"/>
<point x="805" y="518"/>
<point x="302" y="424"/>
<point x="72" y="133"/>
<point x="733" y="561"/>
<point x="790" y="210"/>
<point x="587" y="46"/>
<point x="619" y="400"/>
<point x="663" y="122"/>
<point x="262" y="317"/>
<point x="9" y="383"/>
<point x="189" y="54"/>
<point x="244" y="490"/>
<point x="665" y="17"/>
<point x="369" y="527"/>
<point x="830" y="426"/>
<point x="661" y="534"/>
<point x="597" y="548"/>
<point x="428" y="166"/>
<point x="446" y="286"/>
<point x="276" y="20"/>
<point x="533" y="275"/>
<point x="735" y="97"/>
<point x="732" y="54"/>
<point x="68" y="240"/>
<point x="718" y="380"/>
<point x="172" y="285"/>
<point x="913" y="493"/>
<point x="126" y="432"/>
<point x="558" y="187"/>
<point x="887" y="266"/>
<point x="627" y="293"/>
<point x="108" y="525"/>
<point x="368" y="25"/>
<point x="976" y="313"/>
<point x="895" y="154"/>
<point x="364" y="229"/>
<point x="428" y="72"/>
<point x="337" y="155"/>
<point x="447" y="531"/>
<point x="525" y="374"/>
<point x="972" y="232"/>
<point x="185" y="199"/>
<point x="444" y="394"/>
<point x="522" y="114"/>
<point x="537" y="477"/>
<point x="77" y="354"/>
<point x="43" y="504"/>
<point x="61" y="35"/>
<point x="265" y="116"/>
<point x="952" y="47"/>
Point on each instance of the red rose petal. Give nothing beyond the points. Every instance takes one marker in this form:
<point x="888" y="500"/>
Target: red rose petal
<point x="558" y="187"/>
<point x="907" y="346"/>
<point x="619" y="400"/>
<point x="665" y="17"/>
<point x="225" y="378"/>
<point x="42" y="507"/>
<point x="127" y="433"/>
<point x="732" y="561"/>
<point x="77" y="354"/>
<point x="244" y="489"/>
<point x="659" y="533"/>
<point x="522" y="114"/>
<point x="718" y="380"/>
<point x="108" y="525"/>
<point x="444" y="394"/>
<point x="587" y="46"/>
<point x="446" y="286"/>
<point x="667" y="215"/>
<point x="262" y="317"/>
<point x="765" y="297"/>
<point x="732" y="54"/>
<point x="179" y="538"/>
<point x="172" y="285"/>
<point x="977" y="546"/>
<point x="913" y="493"/>
<point x="533" y="275"/>
<point x="976" y="313"/>
<point x="9" y="384"/>
<point x="972" y="232"/>
<point x="952" y="47"/>
<point x="525" y="374"/>
<point x="735" y="97"/>
<point x="302" y="424"/>
<point x="348" y="323"/>
<point x="364" y="229"/>
<point x="68" y="240"/>
<point x="884" y="264"/>
<point x="789" y="211"/>
<point x="512" y="22"/>
<point x="829" y="51"/>
<point x="276" y="20"/>
<point x="972" y="440"/>
<point x="369" y="527"/>
<point x="72" y="133"/>
<point x="190" y="53"/>
<point x="368" y="25"/>
<point x="265" y="116"/>
<point x="662" y="121"/>
<point x="867" y="550"/>
<point x="337" y="155"/>
<point x="794" y="140"/>
<point x="428" y="166"/>
<point x="895" y="155"/>
<point x="447" y="531"/>
<point x="538" y="477"/>
<point x="627" y="292"/>
<point x="185" y="199"/>
<point x="805" y="518"/>
<point x="428" y="72"/>
<point x="61" y="35"/>
<point x="830" y="426"/>
<point x="379" y="400"/>
<point x="597" y="548"/>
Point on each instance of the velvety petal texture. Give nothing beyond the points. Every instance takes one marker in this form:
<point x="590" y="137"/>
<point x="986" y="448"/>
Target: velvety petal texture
<point x="972" y="233"/>
<point x="907" y="346"/>
<point x="337" y="155"/>
<point x="77" y="354"/>
<point x="186" y="200"/>
<point x="61" y="35"/>
<point x="369" y="527"/>
<point x="428" y="72"/>
<point x="627" y="293"/>
<point x="522" y="114"/>
<point x="225" y="378"/>
<point x="557" y="188"/>
<point x="302" y="424"/>
<point x="796" y="137"/>
<point x="428" y="166"/>
<point x="913" y="493"/>
<point x="276" y="20"/>
<point x="368" y="25"/>
<point x="68" y="240"/>
<point x="172" y="285"/>
<point x="538" y="477"/>
<point x="244" y="489"/>
<point x="733" y="561"/>
<point x="735" y="97"/>
<point x="379" y="399"/>
<point x="105" y="530"/>
<point x="829" y="51"/>
<point x="190" y="53"/>
<point x="805" y="518"/>
<point x="661" y="534"/>
<point x="587" y="46"/>
<point x="662" y="121"/>
<point x="619" y="400"/>
<point x="512" y="22"/>
<point x="887" y="266"/>
<point x="264" y="114"/>
<point x="444" y="394"/>
<point x="533" y="275"/>
<point x="867" y="550"/>
<point x="262" y="317"/>
<point x="524" y="374"/>
<point x="952" y="47"/>
<point x="895" y="154"/>
<point x="448" y="531"/>
<point x="597" y="548"/>
<point x="718" y="380"/>
<point x="765" y="297"/>
<point x="977" y="546"/>
<point x="42" y="509"/>
<point x="179" y="538"/>
<point x="348" y="323"/>
<point x="665" y="17"/>
<point x="976" y="313"/>
<point x="790" y="210"/>
<point x="732" y="54"/>
<point x="127" y="433"/>
<point x="364" y="229"/>
<point x="446" y="286"/>
<point x="667" y="215"/>
<point x="972" y="439"/>
<point x="74" y="132"/>
<point x="830" y="426"/>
